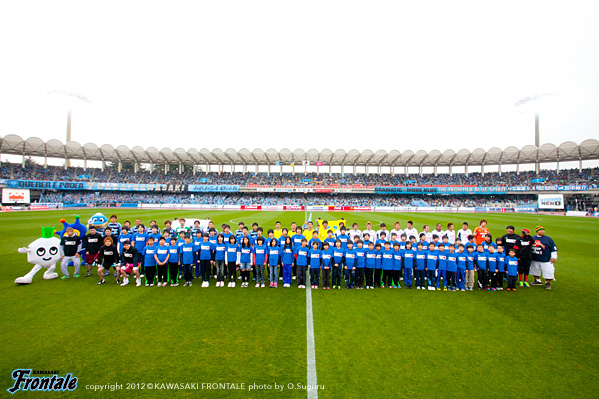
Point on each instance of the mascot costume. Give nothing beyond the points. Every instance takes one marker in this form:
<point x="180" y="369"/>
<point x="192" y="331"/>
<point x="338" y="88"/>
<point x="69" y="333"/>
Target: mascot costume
<point x="43" y="252"/>
<point x="79" y="228"/>
<point x="99" y="221"/>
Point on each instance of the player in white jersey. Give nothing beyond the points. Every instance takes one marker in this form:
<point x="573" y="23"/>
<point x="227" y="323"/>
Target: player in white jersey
<point x="369" y="231"/>
<point x="354" y="232"/>
<point x="397" y="230"/>
<point x="411" y="231"/>
<point x="464" y="232"/>
<point x="383" y="230"/>
<point x="426" y="230"/>
<point x="450" y="233"/>
<point x="439" y="231"/>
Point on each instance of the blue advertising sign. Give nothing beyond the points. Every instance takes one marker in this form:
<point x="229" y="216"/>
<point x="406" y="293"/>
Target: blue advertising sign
<point x="219" y="188"/>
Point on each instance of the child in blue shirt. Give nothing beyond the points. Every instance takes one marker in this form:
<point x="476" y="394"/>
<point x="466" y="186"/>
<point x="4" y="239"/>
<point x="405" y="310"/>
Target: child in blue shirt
<point x="186" y="257"/>
<point x="469" y="267"/>
<point x="492" y="264"/>
<point x="500" y="267"/>
<point x="378" y="265"/>
<point x="287" y="261"/>
<point x="344" y="238"/>
<point x="431" y="266"/>
<point x="149" y="262"/>
<point x="407" y="255"/>
<point x="480" y="259"/>
<point x="462" y="264"/>
<point x="314" y="261"/>
<point x="205" y="250"/>
<point x="511" y="264"/>
<point x="350" y="266"/>
<point x="302" y="262"/>
<point x="325" y="263"/>
<point x="369" y="265"/>
<point x="420" y="265"/>
<point x="232" y="251"/>
<point x="124" y="236"/>
<point x="173" y="262"/>
<point x="245" y="260"/>
<point x="360" y="264"/>
<point x="396" y="265"/>
<point x="315" y="239"/>
<point x="162" y="256"/>
<point x="452" y="268"/>
<point x="260" y="250"/>
<point x="220" y="251"/>
<point x="387" y="263"/>
<point x="274" y="257"/>
<point x="442" y="257"/>
<point x="338" y="258"/>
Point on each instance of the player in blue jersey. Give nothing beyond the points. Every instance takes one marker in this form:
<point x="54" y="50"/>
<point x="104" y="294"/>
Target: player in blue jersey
<point x="452" y="268"/>
<point x="232" y="252"/>
<point x="287" y="259"/>
<point x="338" y="258"/>
<point x="420" y="265"/>
<point x="302" y="262"/>
<point x="462" y="264"/>
<point x="314" y="262"/>
<point x="274" y="260"/>
<point x="407" y="255"/>
<point x="360" y="263"/>
<point x="220" y="251"/>
<point x="511" y="265"/>
<point x="350" y="266"/>
<point x="161" y="256"/>
<point x="173" y="262"/>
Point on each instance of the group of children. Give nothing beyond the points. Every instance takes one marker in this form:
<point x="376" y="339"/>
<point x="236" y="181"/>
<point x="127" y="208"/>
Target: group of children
<point x="366" y="260"/>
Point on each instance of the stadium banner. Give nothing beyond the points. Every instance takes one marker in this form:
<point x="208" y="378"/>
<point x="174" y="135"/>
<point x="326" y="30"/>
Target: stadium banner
<point x="46" y="205"/>
<point x="518" y="188"/>
<point x="214" y="188"/>
<point x="293" y="207"/>
<point x="94" y="186"/>
<point x="555" y="187"/>
<point x="317" y="208"/>
<point x="128" y="205"/>
<point x="171" y="206"/>
<point x="439" y="190"/>
<point x="525" y="208"/>
<point x="551" y="201"/>
<point x="251" y="207"/>
<point x="15" y="196"/>
<point x="579" y="213"/>
<point x="79" y="205"/>
<point x="383" y="209"/>
<point x="232" y="207"/>
<point x="465" y="209"/>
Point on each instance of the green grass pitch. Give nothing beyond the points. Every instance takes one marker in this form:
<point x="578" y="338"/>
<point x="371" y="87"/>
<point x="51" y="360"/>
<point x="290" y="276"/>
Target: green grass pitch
<point x="369" y="344"/>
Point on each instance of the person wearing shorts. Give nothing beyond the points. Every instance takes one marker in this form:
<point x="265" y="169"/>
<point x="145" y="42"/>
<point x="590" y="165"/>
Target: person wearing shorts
<point x="543" y="258"/>
<point x="92" y="242"/>
<point x="128" y="264"/>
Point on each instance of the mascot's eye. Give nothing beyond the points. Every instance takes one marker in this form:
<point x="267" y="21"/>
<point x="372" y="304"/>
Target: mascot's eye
<point x="53" y="251"/>
<point x="41" y="251"/>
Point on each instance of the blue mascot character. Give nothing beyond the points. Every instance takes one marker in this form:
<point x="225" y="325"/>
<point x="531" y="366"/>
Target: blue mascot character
<point x="99" y="221"/>
<point x="43" y="252"/>
<point x="78" y="227"/>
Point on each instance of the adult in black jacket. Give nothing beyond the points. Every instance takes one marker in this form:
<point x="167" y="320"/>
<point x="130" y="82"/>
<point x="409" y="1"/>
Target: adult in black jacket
<point x="70" y="246"/>
<point x="510" y="239"/>
<point x="91" y="242"/>
<point x="107" y="256"/>
<point x="523" y="249"/>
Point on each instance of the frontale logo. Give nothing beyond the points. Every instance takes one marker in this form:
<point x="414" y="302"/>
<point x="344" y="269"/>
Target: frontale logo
<point x="56" y="383"/>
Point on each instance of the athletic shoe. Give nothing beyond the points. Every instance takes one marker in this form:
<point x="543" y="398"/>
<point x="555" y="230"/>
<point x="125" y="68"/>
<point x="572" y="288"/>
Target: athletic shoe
<point x="500" y="289"/>
<point x="117" y="281"/>
<point x="444" y="288"/>
<point x="463" y="289"/>
<point x="509" y="289"/>
<point x="293" y="278"/>
<point x="281" y="278"/>
<point x="76" y="276"/>
<point x="106" y="274"/>
<point x="239" y="278"/>
<point x="275" y="285"/>
<point x="164" y="284"/>
<point x="64" y="277"/>
<point x="418" y="287"/>
<point x="513" y="289"/>
<point x="138" y="283"/>
<point x="262" y="285"/>
<point x="548" y="286"/>
<point x="114" y="274"/>
<point x="488" y="289"/>
<point x="526" y="284"/>
<point x="537" y="282"/>
<point x="257" y="285"/>
<point x="272" y="284"/>
<point x="151" y="285"/>
<point x="125" y="283"/>
<point x="147" y="285"/>
<point x="88" y="274"/>
<point x="438" y="289"/>
<point x="521" y="283"/>
<point x="142" y="275"/>
<point x="190" y="283"/>
<point x="101" y="282"/>
<point x="494" y="289"/>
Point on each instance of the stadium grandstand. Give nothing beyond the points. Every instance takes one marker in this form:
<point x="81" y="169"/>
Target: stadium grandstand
<point x="301" y="178"/>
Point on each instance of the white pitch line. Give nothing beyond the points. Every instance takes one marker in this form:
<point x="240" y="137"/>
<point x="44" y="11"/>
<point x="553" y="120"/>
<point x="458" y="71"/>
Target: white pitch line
<point x="311" y="354"/>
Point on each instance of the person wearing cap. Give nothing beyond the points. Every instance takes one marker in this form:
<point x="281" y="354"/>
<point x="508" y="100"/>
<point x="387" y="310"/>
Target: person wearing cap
<point x="509" y="240"/>
<point x="523" y="249"/>
<point x="543" y="258"/>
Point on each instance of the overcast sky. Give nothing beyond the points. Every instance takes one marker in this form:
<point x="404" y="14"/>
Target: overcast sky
<point x="302" y="74"/>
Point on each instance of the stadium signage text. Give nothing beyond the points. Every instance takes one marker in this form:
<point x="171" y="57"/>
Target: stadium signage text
<point x="229" y="188"/>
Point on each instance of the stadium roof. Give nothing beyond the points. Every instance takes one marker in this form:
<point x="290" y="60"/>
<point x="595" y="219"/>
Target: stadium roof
<point x="567" y="151"/>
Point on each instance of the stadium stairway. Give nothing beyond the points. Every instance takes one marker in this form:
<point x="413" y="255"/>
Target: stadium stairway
<point x="420" y="203"/>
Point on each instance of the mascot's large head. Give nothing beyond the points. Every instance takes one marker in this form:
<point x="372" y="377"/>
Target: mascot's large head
<point x="78" y="227"/>
<point x="98" y="220"/>
<point x="44" y="251"/>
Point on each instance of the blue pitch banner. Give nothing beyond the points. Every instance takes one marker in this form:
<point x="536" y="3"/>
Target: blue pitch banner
<point x="440" y="190"/>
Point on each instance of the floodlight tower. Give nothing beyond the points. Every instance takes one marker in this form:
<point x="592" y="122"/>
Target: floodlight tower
<point x="72" y="95"/>
<point x="534" y="99"/>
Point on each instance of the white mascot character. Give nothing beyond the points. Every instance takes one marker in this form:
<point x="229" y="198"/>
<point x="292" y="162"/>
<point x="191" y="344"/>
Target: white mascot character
<point x="43" y="252"/>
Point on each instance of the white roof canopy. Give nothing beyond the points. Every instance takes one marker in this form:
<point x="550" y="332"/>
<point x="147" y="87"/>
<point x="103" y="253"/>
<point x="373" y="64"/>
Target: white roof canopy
<point x="33" y="146"/>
